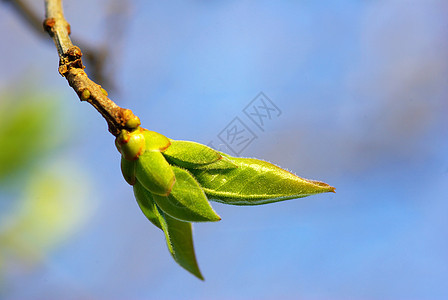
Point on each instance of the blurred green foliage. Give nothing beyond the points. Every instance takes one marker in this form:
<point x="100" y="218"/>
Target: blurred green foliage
<point x="27" y="130"/>
<point x="43" y="193"/>
<point x="50" y="206"/>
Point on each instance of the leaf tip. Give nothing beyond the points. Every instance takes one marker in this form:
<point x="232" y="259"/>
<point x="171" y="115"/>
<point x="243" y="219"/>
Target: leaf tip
<point x="216" y="218"/>
<point x="326" y="188"/>
<point x="211" y="216"/>
<point x="200" y="276"/>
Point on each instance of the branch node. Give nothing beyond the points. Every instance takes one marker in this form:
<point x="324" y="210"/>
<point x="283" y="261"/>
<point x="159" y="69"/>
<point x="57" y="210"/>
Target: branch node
<point x="104" y="92"/>
<point x="128" y="119"/>
<point x="48" y="25"/>
<point x="74" y="52"/>
<point x="70" y="59"/>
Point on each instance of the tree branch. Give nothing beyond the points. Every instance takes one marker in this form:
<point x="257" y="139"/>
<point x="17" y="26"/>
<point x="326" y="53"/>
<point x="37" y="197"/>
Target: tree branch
<point x="72" y="68"/>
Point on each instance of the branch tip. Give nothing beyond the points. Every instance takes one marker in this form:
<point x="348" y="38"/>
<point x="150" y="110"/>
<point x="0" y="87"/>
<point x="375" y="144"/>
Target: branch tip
<point x="72" y="68"/>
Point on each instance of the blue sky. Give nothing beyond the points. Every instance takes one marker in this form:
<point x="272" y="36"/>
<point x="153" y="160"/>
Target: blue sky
<point x="362" y="87"/>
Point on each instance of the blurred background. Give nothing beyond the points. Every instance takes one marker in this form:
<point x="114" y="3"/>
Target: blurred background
<point x="361" y="89"/>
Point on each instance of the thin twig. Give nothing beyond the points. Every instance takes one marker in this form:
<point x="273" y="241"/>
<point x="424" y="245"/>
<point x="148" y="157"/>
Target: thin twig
<point x="71" y="67"/>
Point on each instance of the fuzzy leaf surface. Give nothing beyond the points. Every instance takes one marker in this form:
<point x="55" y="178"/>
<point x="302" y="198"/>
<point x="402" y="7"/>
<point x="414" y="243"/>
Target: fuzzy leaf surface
<point x="191" y="155"/>
<point x="155" y="173"/>
<point x="255" y="182"/>
<point x="178" y="234"/>
<point x="187" y="201"/>
<point x="145" y="201"/>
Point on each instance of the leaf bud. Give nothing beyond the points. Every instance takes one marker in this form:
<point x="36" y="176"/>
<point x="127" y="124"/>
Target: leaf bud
<point x="131" y="144"/>
<point x="85" y="95"/>
<point x="133" y="123"/>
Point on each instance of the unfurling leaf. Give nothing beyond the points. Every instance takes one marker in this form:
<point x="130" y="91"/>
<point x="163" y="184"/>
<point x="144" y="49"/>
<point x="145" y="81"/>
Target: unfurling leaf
<point x="173" y="181"/>
<point x="190" y="154"/>
<point x="187" y="201"/>
<point x="154" y="173"/>
<point x="145" y="201"/>
<point x="178" y="234"/>
<point x="179" y="237"/>
<point x="256" y="182"/>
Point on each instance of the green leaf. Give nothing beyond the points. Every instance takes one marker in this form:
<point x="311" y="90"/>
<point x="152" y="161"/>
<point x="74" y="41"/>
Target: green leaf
<point x="28" y="130"/>
<point x="191" y="155"/>
<point x="187" y="201"/>
<point x="255" y="182"/>
<point x="155" y="141"/>
<point x="128" y="170"/>
<point x="221" y="164"/>
<point x="178" y="234"/>
<point x="146" y="203"/>
<point x="154" y="173"/>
